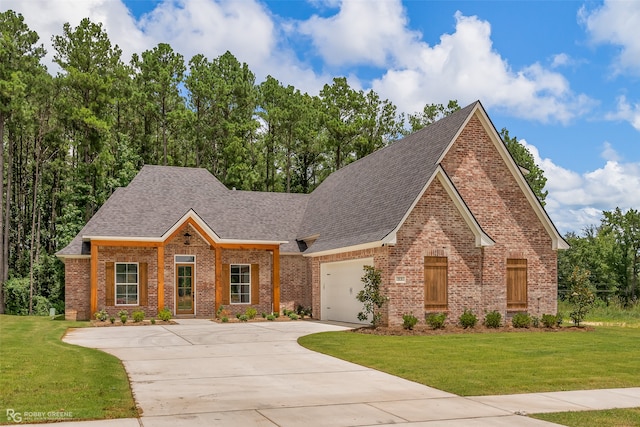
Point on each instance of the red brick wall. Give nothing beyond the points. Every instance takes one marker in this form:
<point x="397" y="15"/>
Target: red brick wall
<point x="77" y="288"/>
<point x="434" y="228"/>
<point x="295" y="277"/>
<point x="491" y="192"/>
<point x="265" y="260"/>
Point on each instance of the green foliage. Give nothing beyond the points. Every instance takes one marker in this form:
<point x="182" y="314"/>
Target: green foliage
<point x="436" y="320"/>
<point x="271" y="317"/>
<point x="293" y="316"/>
<point x="493" y="319"/>
<point x="409" y="321"/>
<point x="112" y="320"/>
<point x="549" y="320"/>
<point x="153" y="321"/>
<point x="468" y="319"/>
<point x="535" y="321"/>
<point x="521" y="320"/>
<point x="16" y="291"/>
<point x="251" y="312"/>
<point x="371" y="296"/>
<point x="124" y="315"/>
<point x="243" y="317"/>
<point x="101" y="315"/>
<point x="430" y="114"/>
<point x="138" y="316"/>
<point x="164" y="314"/>
<point x="224" y="319"/>
<point x="523" y="158"/>
<point x="581" y="295"/>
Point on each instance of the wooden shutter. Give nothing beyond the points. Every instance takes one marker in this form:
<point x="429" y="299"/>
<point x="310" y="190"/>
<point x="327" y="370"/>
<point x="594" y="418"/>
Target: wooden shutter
<point x="435" y="283"/>
<point x="255" y="284"/>
<point x="516" y="284"/>
<point x="109" y="280"/>
<point x="226" y="284"/>
<point x="143" y="284"/>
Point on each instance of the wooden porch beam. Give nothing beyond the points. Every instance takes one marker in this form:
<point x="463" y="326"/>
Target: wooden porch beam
<point x="218" y="274"/>
<point x="160" y="274"/>
<point x="93" y="280"/>
<point x="276" y="280"/>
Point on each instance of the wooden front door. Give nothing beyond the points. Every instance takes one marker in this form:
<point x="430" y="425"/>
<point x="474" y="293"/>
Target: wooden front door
<point x="184" y="289"/>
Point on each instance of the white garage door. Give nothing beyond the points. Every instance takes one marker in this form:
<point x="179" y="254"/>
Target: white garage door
<point x="340" y="283"/>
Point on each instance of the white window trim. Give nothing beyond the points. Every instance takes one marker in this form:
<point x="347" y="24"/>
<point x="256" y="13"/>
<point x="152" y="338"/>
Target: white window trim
<point x="175" y="259"/>
<point x="231" y="284"/>
<point x="115" y="281"/>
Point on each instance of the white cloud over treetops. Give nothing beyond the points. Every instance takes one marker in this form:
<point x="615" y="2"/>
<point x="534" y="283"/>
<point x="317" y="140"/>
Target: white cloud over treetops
<point x="577" y="200"/>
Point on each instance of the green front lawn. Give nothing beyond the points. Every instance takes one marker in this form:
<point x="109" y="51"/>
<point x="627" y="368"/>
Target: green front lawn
<point x="496" y="363"/>
<point x="41" y="374"/>
<point x="606" y="418"/>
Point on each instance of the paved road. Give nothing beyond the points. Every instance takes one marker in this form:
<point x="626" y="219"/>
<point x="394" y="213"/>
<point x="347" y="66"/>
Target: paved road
<point x="255" y="374"/>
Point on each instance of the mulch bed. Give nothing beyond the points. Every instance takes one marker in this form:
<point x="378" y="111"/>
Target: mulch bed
<point x="107" y="323"/>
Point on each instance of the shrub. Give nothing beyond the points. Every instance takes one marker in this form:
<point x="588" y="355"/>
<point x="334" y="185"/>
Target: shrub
<point x="153" y="321"/>
<point x="219" y="311"/>
<point x="238" y="315"/>
<point x="493" y="319"/>
<point x="535" y="321"/>
<point x="409" y="321"/>
<point x="164" y="315"/>
<point x="286" y="312"/>
<point x="112" y="320"/>
<point x="436" y="320"/>
<point x="276" y="314"/>
<point x="371" y="296"/>
<point x="123" y="318"/>
<point x="521" y="320"/>
<point x="581" y="294"/>
<point x="559" y="318"/>
<point x="224" y="319"/>
<point x="293" y="316"/>
<point x="264" y="315"/>
<point x="243" y="317"/>
<point x="468" y="319"/>
<point x="101" y="315"/>
<point x="138" y="316"/>
<point x="251" y="313"/>
<point x="549" y="320"/>
<point x="270" y="317"/>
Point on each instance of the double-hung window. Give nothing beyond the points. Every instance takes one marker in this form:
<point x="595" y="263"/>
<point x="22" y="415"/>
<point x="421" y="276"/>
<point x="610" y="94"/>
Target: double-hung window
<point x="127" y="284"/>
<point x="240" y="283"/>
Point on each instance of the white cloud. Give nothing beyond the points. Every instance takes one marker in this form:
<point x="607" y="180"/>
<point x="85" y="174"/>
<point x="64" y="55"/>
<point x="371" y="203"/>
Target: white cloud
<point x="577" y="200"/>
<point x="362" y="32"/>
<point x="464" y="66"/>
<point x="626" y="112"/>
<point x="616" y="23"/>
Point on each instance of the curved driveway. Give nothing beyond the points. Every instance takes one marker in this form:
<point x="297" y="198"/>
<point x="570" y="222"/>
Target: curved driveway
<point x="199" y="372"/>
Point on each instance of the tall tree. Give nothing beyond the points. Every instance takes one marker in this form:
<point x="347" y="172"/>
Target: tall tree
<point x="160" y="73"/>
<point x="430" y="114"/>
<point x="523" y="158"/>
<point x="19" y="57"/>
<point x="624" y="227"/>
<point x="381" y="125"/>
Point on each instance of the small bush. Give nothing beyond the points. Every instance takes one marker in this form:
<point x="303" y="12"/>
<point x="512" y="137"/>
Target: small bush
<point x="251" y="313"/>
<point x="559" y="318"/>
<point x="264" y="315"/>
<point x="493" y="319"/>
<point x="521" y="320"/>
<point x="468" y="319"/>
<point x="243" y="317"/>
<point x="286" y="312"/>
<point x="270" y="317"/>
<point x="293" y="316"/>
<point x="112" y="320"/>
<point x="409" y="321"/>
<point x="138" y="316"/>
<point x="123" y="318"/>
<point x="276" y="314"/>
<point x="101" y="315"/>
<point x="153" y="321"/>
<point x="224" y="319"/>
<point x="436" y="320"/>
<point x="535" y="321"/>
<point x="219" y="311"/>
<point x="549" y="320"/>
<point x="238" y="315"/>
<point x="164" y="315"/>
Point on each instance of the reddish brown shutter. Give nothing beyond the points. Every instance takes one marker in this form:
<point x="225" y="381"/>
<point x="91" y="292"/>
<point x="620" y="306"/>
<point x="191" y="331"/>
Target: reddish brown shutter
<point x="226" y="285"/>
<point x="143" y="284"/>
<point x="516" y="284"/>
<point x="435" y="283"/>
<point x="109" y="280"/>
<point x="255" y="284"/>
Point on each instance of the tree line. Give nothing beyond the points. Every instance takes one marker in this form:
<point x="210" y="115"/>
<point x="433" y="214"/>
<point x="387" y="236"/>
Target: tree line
<point x="69" y="140"/>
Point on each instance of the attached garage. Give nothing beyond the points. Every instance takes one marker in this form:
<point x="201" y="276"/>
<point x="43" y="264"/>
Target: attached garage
<point x="340" y="283"/>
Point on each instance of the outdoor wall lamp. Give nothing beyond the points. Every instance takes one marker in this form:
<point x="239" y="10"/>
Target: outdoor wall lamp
<point x="187" y="238"/>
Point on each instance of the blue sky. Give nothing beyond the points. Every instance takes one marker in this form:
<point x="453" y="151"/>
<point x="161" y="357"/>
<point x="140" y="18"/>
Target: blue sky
<point x="562" y="76"/>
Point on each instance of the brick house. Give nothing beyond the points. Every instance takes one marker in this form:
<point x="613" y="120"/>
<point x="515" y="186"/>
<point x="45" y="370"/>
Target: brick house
<point x="444" y="213"/>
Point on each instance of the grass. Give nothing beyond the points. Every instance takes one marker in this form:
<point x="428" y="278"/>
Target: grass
<point x="605" y="418"/>
<point x="496" y="363"/>
<point x="611" y="314"/>
<point x="40" y="373"/>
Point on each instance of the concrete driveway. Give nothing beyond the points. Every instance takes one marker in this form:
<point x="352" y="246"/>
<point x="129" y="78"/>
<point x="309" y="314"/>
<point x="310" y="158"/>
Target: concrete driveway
<point x="255" y="374"/>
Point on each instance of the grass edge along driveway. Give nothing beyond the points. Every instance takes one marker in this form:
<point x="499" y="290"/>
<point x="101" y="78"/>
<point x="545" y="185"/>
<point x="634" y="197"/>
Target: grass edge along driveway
<point x="496" y="363"/>
<point x="53" y="380"/>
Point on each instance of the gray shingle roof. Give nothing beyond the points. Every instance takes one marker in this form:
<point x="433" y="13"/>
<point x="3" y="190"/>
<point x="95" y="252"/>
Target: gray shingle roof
<point x="361" y="203"/>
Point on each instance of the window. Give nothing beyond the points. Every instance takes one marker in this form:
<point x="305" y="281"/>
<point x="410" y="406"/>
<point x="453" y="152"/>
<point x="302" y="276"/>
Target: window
<point x="126" y="284"/>
<point x="240" y="284"/>
<point x="185" y="259"/>
<point x="516" y="284"/>
<point x="435" y="283"/>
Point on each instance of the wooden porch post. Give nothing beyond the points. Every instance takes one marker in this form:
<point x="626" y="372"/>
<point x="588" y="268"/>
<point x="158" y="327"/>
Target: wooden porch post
<point x="94" y="280"/>
<point x="218" y="255"/>
<point x="276" y="280"/>
<point x="160" y="273"/>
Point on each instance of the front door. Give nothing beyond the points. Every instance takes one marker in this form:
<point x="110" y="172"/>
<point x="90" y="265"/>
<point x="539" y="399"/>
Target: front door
<point x="184" y="288"/>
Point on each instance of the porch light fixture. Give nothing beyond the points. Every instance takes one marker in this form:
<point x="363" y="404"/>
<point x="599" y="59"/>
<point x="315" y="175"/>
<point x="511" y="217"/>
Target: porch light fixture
<point x="187" y="238"/>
